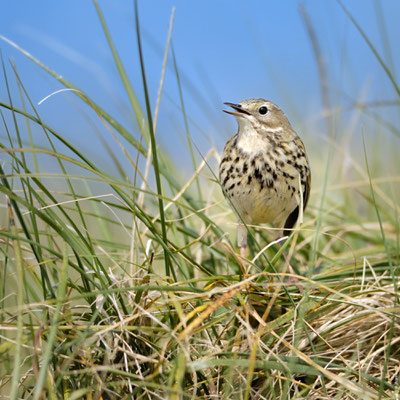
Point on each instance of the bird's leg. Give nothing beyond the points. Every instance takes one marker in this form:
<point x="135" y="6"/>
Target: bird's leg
<point x="292" y="279"/>
<point x="242" y="239"/>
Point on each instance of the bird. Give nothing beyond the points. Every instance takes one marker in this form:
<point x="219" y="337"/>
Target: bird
<point x="264" y="169"/>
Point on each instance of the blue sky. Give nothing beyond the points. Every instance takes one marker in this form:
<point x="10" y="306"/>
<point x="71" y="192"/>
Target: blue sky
<point x="226" y="51"/>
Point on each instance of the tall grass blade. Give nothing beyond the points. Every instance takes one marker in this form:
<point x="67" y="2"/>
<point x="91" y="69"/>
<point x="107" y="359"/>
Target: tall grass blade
<point x="372" y="47"/>
<point x="188" y="136"/>
<point x="168" y="269"/>
<point x="48" y="353"/>
<point x="378" y="215"/>
<point x="20" y="304"/>
<point x="140" y="118"/>
<point x="77" y="92"/>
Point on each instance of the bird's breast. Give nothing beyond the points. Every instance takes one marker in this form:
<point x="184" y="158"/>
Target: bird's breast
<point x="262" y="184"/>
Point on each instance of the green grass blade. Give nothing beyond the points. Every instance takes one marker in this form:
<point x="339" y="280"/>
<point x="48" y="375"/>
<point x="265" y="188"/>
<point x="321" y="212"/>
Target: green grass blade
<point x="188" y="136"/>
<point x="372" y="47"/>
<point x="168" y="269"/>
<point x="140" y="118"/>
<point x="388" y="252"/>
<point x="20" y="305"/>
<point x="77" y="92"/>
<point x="48" y="353"/>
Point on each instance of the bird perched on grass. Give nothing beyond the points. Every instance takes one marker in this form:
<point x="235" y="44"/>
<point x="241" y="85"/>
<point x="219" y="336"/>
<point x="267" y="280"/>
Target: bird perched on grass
<point x="264" y="168"/>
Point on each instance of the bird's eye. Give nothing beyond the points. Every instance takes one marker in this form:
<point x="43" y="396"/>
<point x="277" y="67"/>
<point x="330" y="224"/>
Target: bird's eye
<point x="263" y="110"/>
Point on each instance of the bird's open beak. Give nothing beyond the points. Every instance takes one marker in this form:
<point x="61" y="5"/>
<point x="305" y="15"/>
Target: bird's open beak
<point x="237" y="107"/>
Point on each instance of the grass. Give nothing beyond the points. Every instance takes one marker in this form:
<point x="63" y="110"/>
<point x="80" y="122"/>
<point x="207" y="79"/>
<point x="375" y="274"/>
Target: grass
<point x="111" y="289"/>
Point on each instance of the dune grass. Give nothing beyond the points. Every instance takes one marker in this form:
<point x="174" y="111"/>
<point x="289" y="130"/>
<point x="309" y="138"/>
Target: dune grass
<point x="135" y="290"/>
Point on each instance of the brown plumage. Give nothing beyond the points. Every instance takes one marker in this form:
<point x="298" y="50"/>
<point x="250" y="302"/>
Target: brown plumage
<point x="261" y="168"/>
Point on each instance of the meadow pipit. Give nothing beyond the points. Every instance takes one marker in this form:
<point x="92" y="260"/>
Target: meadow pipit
<point x="262" y="167"/>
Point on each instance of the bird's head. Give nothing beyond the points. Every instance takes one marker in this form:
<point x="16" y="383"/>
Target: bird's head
<point x="261" y="115"/>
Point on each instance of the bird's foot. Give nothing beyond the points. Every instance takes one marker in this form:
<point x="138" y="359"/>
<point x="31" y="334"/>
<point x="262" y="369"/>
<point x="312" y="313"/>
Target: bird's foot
<point x="243" y="251"/>
<point x="293" y="280"/>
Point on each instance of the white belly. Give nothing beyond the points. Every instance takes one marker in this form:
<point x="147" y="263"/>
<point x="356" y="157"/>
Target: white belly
<point x="266" y="205"/>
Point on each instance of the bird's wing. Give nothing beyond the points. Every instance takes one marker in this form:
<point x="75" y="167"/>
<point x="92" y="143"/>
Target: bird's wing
<point x="294" y="215"/>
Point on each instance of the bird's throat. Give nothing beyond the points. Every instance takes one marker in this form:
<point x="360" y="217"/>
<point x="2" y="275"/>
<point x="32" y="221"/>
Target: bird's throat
<point x="250" y="140"/>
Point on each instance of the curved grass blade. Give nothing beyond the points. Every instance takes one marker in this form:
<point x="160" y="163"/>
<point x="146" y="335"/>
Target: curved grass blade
<point x="140" y="118"/>
<point x="77" y="92"/>
<point x="372" y="47"/>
